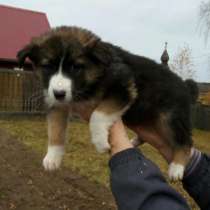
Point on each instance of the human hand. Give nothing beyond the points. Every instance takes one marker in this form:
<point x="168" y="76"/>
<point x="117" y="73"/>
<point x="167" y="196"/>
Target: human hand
<point x="118" y="131"/>
<point x="151" y="137"/>
<point x="118" y="138"/>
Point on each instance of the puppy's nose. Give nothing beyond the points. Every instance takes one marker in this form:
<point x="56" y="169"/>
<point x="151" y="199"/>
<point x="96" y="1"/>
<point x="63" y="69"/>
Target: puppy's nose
<point x="59" y="94"/>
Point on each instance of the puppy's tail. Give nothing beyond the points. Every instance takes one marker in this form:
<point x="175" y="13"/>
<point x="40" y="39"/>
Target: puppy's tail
<point x="193" y="89"/>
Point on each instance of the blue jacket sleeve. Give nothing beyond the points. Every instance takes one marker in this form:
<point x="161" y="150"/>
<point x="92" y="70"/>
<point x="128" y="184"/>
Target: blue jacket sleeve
<point x="197" y="184"/>
<point x="137" y="184"/>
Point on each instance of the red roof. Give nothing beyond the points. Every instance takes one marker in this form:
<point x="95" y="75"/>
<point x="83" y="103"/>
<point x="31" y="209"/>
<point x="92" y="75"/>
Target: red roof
<point x="18" y="26"/>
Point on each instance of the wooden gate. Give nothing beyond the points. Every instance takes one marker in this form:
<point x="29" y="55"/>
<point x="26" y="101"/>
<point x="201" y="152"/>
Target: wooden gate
<point x="20" y="91"/>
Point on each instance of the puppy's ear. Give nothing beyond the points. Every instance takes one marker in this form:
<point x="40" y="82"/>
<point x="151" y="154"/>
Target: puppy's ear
<point x="30" y="51"/>
<point x="98" y="51"/>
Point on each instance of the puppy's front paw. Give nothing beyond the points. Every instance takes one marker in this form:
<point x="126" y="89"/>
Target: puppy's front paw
<point x="176" y="171"/>
<point x="53" y="158"/>
<point x="101" y="145"/>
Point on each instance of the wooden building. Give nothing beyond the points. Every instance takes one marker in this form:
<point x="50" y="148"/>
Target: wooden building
<point x="18" y="26"/>
<point x="19" y="90"/>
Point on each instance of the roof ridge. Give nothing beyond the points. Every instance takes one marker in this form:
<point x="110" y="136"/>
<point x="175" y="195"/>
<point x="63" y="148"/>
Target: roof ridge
<point x="22" y="9"/>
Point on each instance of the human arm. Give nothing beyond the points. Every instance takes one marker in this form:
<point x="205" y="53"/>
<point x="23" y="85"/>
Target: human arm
<point x="197" y="179"/>
<point x="135" y="181"/>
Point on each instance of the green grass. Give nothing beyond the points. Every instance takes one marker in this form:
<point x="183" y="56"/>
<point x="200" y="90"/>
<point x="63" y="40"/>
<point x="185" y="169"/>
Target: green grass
<point x="2" y="195"/>
<point x="81" y="155"/>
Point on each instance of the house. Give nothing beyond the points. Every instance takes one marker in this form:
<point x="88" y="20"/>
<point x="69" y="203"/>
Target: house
<point x="18" y="26"/>
<point x="20" y="91"/>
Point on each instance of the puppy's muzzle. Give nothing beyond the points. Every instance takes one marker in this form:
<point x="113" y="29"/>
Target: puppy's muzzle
<point x="59" y="94"/>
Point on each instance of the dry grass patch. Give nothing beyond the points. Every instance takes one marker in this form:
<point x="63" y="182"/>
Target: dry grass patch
<point x="81" y="155"/>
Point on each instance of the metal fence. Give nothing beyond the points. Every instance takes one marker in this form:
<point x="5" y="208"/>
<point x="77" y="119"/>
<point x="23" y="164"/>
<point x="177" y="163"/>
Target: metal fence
<point x="20" y="92"/>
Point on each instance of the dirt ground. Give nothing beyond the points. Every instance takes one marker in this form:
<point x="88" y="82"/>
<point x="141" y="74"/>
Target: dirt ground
<point x="24" y="185"/>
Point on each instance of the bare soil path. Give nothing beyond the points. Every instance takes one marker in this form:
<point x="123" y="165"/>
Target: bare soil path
<point x="24" y="185"/>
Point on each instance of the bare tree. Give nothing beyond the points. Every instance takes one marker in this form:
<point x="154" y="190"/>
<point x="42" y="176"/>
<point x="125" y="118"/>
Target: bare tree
<point x="182" y="63"/>
<point x="204" y="13"/>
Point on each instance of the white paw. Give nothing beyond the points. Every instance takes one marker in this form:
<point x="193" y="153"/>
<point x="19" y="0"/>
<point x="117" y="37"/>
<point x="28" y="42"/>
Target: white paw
<point x="53" y="158"/>
<point x="100" y="140"/>
<point x="102" y="147"/>
<point x="176" y="171"/>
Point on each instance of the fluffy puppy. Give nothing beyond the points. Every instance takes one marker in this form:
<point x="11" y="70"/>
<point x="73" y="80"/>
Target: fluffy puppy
<point x="78" y="69"/>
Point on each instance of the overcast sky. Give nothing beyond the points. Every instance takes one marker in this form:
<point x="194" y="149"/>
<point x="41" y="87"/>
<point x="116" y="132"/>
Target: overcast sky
<point x="140" y="26"/>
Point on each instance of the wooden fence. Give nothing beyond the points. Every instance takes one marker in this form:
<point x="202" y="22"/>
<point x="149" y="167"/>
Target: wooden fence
<point x="201" y="116"/>
<point x="20" y="91"/>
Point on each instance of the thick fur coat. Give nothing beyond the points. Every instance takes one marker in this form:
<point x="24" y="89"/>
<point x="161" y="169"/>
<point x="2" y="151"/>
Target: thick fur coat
<point x="78" y="68"/>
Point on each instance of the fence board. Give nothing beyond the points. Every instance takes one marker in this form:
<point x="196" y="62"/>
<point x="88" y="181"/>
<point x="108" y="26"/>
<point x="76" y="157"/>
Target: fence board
<point x="201" y="116"/>
<point x="20" y="91"/>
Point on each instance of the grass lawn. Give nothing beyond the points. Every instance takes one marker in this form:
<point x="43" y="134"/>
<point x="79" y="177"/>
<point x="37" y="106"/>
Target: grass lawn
<point x="81" y="155"/>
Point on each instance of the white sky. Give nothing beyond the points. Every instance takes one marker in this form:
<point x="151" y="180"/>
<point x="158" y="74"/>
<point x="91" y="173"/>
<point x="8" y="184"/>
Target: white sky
<point x="140" y="26"/>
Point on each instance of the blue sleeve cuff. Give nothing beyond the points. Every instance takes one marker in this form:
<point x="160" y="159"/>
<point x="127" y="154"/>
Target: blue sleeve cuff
<point x="124" y="157"/>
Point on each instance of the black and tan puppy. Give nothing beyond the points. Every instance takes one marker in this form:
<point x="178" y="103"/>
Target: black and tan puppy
<point x="80" y="69"/>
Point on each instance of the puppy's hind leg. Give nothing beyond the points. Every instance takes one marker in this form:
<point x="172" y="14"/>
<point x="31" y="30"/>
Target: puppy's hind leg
<point x="180" y="160"/>
<point x="103" y="117"/>
<point x="175" y="135"/>
<point x="57" y="122"/>
<point x="182" y="144"/>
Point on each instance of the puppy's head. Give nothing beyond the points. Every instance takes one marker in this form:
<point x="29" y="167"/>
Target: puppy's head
<point x="72" y="62"/>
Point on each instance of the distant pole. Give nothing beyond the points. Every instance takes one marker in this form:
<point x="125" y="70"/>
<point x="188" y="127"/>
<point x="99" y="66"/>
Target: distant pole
<point x="165" y="57"/>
